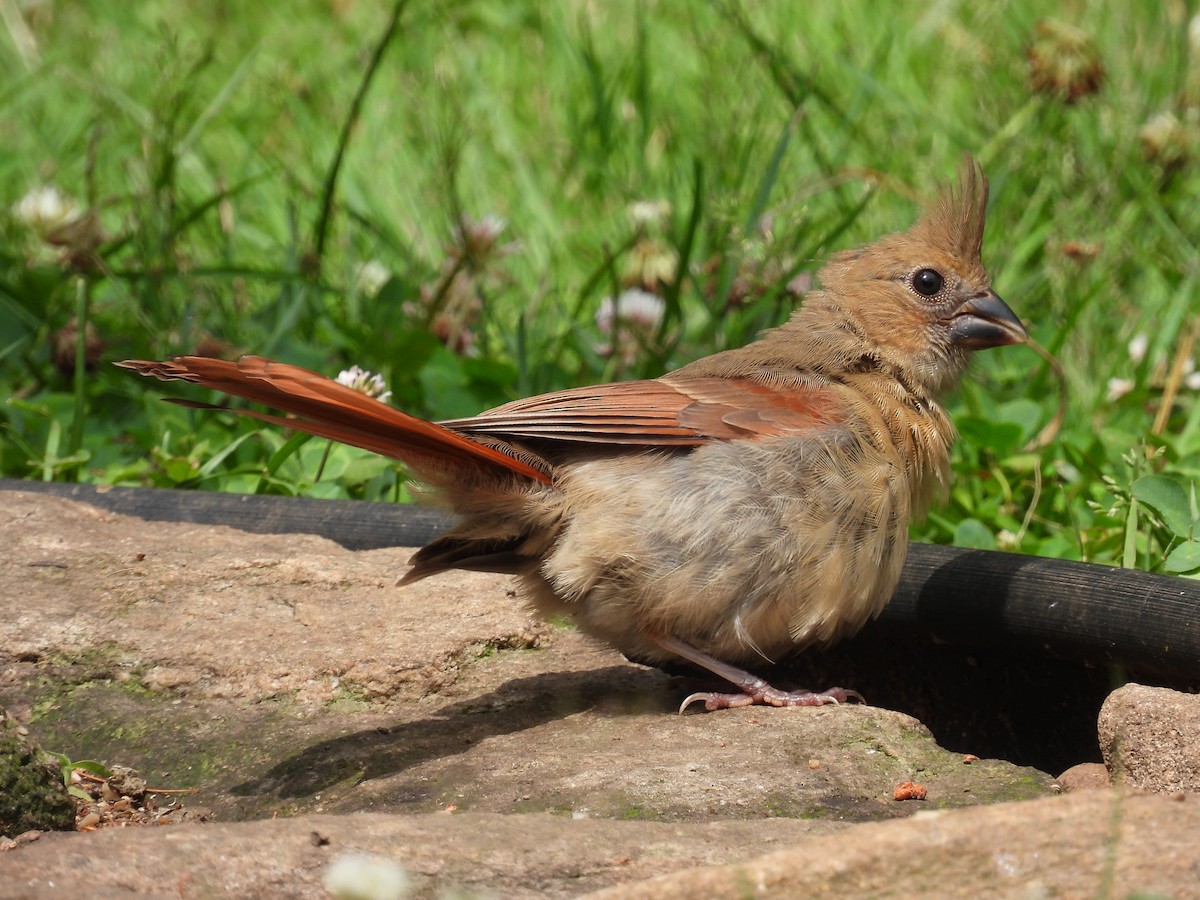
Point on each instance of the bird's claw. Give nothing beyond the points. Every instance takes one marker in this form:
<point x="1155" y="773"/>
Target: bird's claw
<point x="769" y="696"/>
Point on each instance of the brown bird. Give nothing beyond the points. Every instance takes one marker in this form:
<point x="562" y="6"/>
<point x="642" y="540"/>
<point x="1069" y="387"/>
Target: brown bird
<point x="750" y="504"/>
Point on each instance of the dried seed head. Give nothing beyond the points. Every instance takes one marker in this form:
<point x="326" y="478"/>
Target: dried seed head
<point x="1063" y="61"/>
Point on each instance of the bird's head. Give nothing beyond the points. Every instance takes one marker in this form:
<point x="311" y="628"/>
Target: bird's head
<point x="922" y="299"/>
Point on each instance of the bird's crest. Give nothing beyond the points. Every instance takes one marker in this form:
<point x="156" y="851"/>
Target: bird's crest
<point x="954" y="223"/>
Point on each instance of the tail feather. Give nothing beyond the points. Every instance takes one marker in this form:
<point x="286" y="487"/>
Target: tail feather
<point x="325" y="408"/>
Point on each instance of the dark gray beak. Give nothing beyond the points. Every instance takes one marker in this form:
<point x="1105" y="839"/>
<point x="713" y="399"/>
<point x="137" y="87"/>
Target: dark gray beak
<point x="986" y="321"/>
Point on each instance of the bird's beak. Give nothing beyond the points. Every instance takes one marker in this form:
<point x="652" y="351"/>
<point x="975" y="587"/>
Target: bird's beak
<point x="986" y="321"/>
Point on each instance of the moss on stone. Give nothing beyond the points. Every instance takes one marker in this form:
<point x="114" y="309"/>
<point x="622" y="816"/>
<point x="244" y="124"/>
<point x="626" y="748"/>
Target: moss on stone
<point x="32" y="793"/>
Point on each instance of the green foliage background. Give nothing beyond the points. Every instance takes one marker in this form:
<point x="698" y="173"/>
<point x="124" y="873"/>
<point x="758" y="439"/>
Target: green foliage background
<point x="200" y="139"/>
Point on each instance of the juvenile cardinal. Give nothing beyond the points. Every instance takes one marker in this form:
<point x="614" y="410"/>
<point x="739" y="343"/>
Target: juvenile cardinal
<point x="748" y="505"/>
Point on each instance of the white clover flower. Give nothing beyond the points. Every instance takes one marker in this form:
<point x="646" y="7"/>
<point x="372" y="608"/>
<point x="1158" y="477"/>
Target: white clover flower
<point x="1167" y="140"/>
<point x="640" y="309"/>
<point x="1138" y="345"/>
<point x="488" y="228"/>
<point x="371" y="277"/>
<point x="647" y="213"/>
<point x="1007" y="540"/>
<point x="476" y="241"/>
<point x="1160" y="128"/>
<point x="45" y="209"/>
<point x="1118" y="388"/>
<point x="1191" y="378"/>
<point x="364" y="876"/>
<point x="629" y="322"/>
<point x="358" y="379"/>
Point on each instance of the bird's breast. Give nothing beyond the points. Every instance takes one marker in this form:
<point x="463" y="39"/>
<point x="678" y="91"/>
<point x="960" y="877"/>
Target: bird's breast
<point x="742" y="548"/>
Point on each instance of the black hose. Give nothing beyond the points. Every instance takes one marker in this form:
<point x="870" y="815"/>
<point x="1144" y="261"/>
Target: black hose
<point x="972" y="598"/>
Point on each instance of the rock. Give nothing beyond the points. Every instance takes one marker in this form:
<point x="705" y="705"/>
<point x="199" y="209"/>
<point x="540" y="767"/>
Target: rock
<point x="438" y="726"/>
<point x="32" y="793"/>
<point x="301" y="679"/>
<point x="1084" y="777"/>
<point x="1090" y="844"/>
<point x="1150" y="738"/>
<point x="1094" y="843"/>
<point x="480" y="854"/>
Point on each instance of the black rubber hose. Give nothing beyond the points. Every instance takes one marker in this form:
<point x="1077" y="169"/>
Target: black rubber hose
<point x="972" y="598"/>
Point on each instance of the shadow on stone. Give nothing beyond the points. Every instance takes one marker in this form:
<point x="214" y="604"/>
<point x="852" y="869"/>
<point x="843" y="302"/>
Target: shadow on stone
<point x="516" y="705"/>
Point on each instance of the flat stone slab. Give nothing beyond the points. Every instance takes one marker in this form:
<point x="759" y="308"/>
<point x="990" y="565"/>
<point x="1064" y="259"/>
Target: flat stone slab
<point x="1098" y="843"/>
<point x="437" y="724"/>
<point x="1091" y="844"/>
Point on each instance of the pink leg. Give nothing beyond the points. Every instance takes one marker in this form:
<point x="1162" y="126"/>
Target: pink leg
<point x="754" y="691"/>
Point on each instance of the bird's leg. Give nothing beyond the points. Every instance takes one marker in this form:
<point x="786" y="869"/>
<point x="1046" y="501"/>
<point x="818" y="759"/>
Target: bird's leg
<point x="753" y="689"/>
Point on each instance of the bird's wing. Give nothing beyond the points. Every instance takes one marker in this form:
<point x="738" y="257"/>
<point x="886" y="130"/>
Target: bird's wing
<point x="331" y="410"/>
<point x="669" y="411"/>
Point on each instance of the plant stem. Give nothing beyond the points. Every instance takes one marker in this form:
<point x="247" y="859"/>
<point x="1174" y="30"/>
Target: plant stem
<point x="82" y="304"/>
<point x="322" y="227"/>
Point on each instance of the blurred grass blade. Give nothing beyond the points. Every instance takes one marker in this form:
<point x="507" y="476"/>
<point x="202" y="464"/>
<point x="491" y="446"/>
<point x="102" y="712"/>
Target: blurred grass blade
<point x="197" y="212"/>
<point x="223" y="96"/>
<point x="673" y="310"/>
<point x="22" y="36"/>
<point x="279" y="457"/>
<point x="762" y="197"/>
<point x="1129" y="551"/>
<point x="642" y="85"/>
<point x="849" y="217"/>
<point x="211" y="464"/>
<point x="13" y="347"/>
<point x="789" y="82"/>
<point x="82" y="305"/>
<point x="50" y="454"/>
<point x="765" y="185"/>
<point x="321" y="230"/>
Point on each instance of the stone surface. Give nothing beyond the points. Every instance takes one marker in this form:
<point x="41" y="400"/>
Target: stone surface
<point x="32" y="793"/>
<point x="284" y="674"/>
<point x="1092" y="844"/>
<point x="1150" y="738"/>
<point x="439" y="725"/>
<point x="523" y="854"/>
<point x="1084" y="776"/>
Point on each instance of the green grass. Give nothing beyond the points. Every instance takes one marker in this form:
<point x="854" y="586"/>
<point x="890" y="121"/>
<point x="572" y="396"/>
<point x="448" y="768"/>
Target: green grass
<point x="203" y="137"/>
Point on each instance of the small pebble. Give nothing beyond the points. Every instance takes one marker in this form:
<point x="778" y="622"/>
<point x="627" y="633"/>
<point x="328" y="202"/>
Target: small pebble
<point x="908" y="790"/>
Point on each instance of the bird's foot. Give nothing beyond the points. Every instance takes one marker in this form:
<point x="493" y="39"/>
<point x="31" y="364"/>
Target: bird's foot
<point x="762" y="694"/>
<point x="753" y="690"/>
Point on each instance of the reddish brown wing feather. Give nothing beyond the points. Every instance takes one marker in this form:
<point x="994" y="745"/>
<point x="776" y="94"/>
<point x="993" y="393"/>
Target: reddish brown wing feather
<point x="331" y="410"/>
<point x="671" y="411"/>
<point x="676" y="411"/>
<point x="625" y="412"/>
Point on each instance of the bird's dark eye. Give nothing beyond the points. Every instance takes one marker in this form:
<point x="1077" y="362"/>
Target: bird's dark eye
<point x="927" y="282"/>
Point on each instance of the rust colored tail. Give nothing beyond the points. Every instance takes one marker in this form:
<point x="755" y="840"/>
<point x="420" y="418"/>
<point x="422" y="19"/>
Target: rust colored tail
<point x="327" y="409"/>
